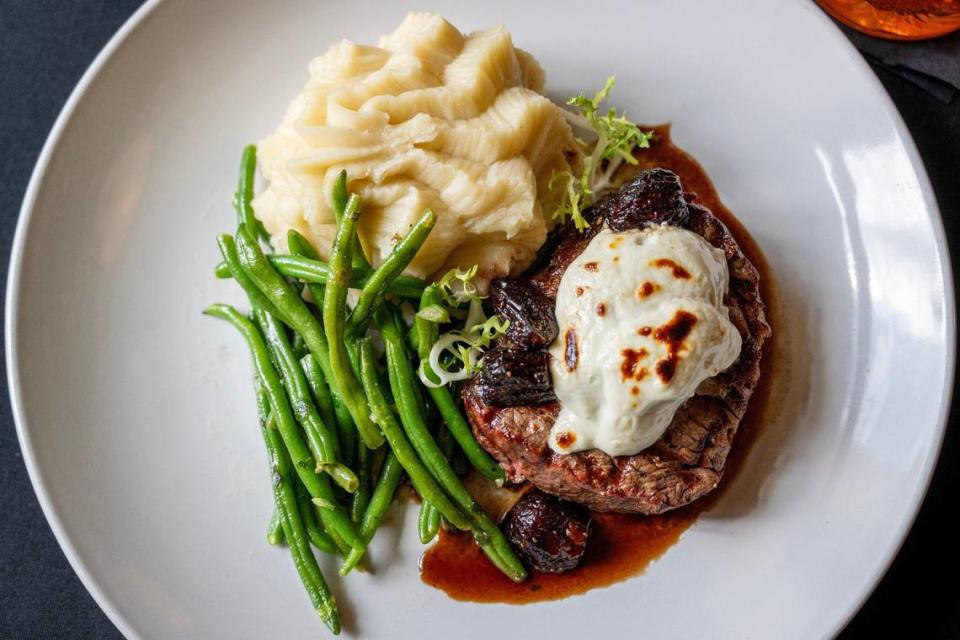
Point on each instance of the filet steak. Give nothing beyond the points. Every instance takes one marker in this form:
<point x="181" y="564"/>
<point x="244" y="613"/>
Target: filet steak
<point x="511" y="405"/>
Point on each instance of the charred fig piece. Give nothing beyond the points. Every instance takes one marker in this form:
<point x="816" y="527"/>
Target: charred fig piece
<point x="513" y="377"/>
<point x="532" y="319"/>
<point x="549" y="533"/>
<point x="655" y="196"/>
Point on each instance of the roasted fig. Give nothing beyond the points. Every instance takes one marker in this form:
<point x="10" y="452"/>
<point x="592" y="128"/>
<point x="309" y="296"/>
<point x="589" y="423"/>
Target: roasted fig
<point x="549" y="533"/>
<point x="533" y="322"/>
<point x="515" y="376"/>
<point x="655" y="196"/>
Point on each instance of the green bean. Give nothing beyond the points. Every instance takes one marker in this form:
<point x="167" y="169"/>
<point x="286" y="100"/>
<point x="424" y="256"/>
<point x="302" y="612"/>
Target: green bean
<point x="426" y="335"/>
<point x="318" y="272"/>
<point x="335" y="520"/>
<point x="285" y="500"/>
<point x="228" y="249"/>
<point x="346" y="430"/>
<point x="451" y="451"/>
<point x="329" y="411"/>
<point x="322" y="510"/>
<point x="325" y="448"/>
<point x="459" y="428"/>
<point x="390" y="476"/>
<point x="359" y="261"/>
<point x="400" y="256"/>
<point x="295" y="312"/>
<point x="422" y="480"/>
<point x="428" y="522"/>
<point x="306" y="564"/>
<point x="318" y="389"/>
<point x="334" y="319"/>
<point x="275" y="529"/>
<point x="339" y="196"/>
<point x="376" y="466"/>
<point x="315" y="533"/>
<point x="267" y="374"/>
<point x="323" y="443"/>
<point x="361" y="497"/>
<point x="244" y="196"/>
<point x="402" y="382"/>
<point x="455" y="456"/>
<point x="446" y="442"/>
<point x="300" y="246"/>
<point x="391" y="473"/>
<point x="299" y="347"/>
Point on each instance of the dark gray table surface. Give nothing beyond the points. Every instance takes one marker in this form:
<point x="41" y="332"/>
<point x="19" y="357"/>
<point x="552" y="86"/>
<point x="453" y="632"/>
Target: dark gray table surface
<point x="44" y="48"/>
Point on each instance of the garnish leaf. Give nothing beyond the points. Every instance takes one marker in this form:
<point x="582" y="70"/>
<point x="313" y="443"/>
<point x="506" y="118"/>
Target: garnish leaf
<point x="458" y="353"/>
<point x="488" y="331"/>
<point x="457" y="287"/>
<point x="617" y="137"/>
<point x="576" y="196"/>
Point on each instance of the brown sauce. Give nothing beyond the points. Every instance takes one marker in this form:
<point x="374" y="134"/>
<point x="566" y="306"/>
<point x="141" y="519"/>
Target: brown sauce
<point x="621" y="546"/>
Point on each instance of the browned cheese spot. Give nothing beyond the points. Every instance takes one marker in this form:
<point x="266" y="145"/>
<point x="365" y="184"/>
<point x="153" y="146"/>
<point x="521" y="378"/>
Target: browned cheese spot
<point x="601" y="309"/>
<point x="666" y="263"/>
<point x="644" y="331"/>
<point x="565" y="439"/>
<point x="635" y="390"/>
<point x="593" y="265"/>
<point x="579" y="291"/>
<point x="571" y="350"/>
<point x="630" y="367"/>
<point x="647" y="289"/>
<point x="673" y="334"/>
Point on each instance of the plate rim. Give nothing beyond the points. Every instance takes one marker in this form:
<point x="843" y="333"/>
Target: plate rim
<point x="138" y="17"/>
<point x="14" y="277"/>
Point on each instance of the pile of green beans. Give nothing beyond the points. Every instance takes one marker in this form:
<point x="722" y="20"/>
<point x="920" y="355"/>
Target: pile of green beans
<point x="315" y="271"/>
<point x="342" y="427"/>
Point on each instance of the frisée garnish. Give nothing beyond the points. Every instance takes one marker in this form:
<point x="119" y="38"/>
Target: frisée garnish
<point x="616" y="137"/>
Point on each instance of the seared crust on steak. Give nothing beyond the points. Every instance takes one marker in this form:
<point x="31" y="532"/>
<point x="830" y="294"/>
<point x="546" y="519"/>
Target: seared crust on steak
<point x="688" y="460"/>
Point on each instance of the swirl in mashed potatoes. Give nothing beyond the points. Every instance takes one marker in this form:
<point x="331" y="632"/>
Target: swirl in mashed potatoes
<point x="430" y="118"/>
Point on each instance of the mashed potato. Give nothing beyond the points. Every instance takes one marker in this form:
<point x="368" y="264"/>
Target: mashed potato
<point x="430" y="118"/>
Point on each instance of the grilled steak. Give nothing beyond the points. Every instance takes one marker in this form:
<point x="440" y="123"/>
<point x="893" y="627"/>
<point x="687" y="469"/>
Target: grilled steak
<point x="512" y="409"/>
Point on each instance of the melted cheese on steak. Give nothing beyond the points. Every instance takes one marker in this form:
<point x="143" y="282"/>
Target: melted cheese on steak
<point x="642" y="324"/>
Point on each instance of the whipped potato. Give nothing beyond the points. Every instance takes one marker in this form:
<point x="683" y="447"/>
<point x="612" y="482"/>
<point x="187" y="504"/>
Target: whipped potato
<point x="642" y="324"/>
<point x="430" y="118"/>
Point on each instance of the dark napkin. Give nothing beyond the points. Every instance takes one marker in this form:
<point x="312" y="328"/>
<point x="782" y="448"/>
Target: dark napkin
<point x="933" y="65"/>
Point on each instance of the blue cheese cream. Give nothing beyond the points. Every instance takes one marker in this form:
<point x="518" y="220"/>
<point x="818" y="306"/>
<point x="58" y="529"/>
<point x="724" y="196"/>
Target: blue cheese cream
<point x="642" y="324"/>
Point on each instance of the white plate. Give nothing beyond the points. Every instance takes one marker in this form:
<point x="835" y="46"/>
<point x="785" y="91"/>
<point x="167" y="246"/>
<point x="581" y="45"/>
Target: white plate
<point x="135" y="413"/>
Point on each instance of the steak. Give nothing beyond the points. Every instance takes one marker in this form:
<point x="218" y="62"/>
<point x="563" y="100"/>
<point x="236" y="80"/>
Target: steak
<point x="511" y="407"/>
